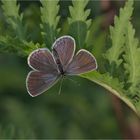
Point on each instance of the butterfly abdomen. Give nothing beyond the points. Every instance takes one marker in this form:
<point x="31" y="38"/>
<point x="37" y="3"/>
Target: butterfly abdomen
<point x="58" y="62"/>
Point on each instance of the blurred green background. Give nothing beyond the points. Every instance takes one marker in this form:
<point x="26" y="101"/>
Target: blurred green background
<point x="82" y="110"/>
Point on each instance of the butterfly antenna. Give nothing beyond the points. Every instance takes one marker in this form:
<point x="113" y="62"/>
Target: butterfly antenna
<point x="61" y="82"/>
<point x="75" y="82"/>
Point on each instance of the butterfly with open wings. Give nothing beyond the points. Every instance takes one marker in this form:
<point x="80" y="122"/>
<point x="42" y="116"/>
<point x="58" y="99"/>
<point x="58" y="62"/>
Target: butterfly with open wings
<point x="49" y="67"/>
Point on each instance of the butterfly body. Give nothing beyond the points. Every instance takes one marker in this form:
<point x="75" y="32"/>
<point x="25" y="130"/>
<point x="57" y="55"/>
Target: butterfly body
<point x="58" y="62"/>
<point x="49" y="68"/>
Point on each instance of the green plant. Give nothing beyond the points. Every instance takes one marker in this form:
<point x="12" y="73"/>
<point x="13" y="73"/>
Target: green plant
<point x="122" y="73"/>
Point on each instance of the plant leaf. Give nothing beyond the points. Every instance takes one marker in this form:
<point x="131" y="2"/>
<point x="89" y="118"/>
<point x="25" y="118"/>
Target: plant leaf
<point x="91" y="35"/>
<point x="49" y="12"/>
<point x="14" y="19"/>
<point x="78" y="22"/>
<point x="132" y="57"/>
<point x="16" y="46"/>
<point x="50" y="19"/>
<point x="78" y="13"/>
<point x="132" y="65"/>
<point x="11" y="9"/>
<point x="113" y="85"/>
<point x="78" y="30"/>
<point x="118" y="33"/>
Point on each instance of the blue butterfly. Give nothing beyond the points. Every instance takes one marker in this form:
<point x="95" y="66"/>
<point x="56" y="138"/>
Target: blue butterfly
<point x="49" y="67"/>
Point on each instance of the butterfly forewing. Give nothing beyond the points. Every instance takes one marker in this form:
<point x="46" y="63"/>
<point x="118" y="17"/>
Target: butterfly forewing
<point x="42" y="60"/>
<point x="82" y="62"/>
<point x="63" y="50"/>
<point x="38" y="82"/>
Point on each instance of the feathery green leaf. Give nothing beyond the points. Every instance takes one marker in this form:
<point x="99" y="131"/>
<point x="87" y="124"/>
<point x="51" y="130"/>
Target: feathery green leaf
<point x="14" y="45"/>
<point x="49" y="12"/>
<point x="14" y="19"/>
<point x="78" y="12"/>
<point x="118" y="33"/>
<point x="78" y="21"/>
<point x="132" y="56"/>
<point x="11" y="9"/>
<point x="50" y="19"/>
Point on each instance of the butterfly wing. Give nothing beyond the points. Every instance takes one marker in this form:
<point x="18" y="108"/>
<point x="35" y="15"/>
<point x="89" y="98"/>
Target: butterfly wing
<point x="42" y="60"/>
<point x="45" y="73"/>
<point x="82" y="62"/>
<point x="63" y="49"/>
<point x="38" y="82"/>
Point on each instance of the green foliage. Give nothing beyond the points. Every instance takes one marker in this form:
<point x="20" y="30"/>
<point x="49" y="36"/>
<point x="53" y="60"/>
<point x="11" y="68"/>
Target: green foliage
<point x="118" y="33"/>
<point x="113" y="85"/>
<point x="132" y="57"/>
<point x="78" y="12"/>
<point x="122" y="76"/>
<point x="78" y="22"/>
<point x="123" y="43"/>
<point x="15" y="38"/>
<point x="78" y="30"/>
<point x="14" y="19"/>
<point x="49" y="12"/>
<point x="11" y="9"/>
<point x="21" y="48"/>
<point x="131" y="65"/>
<point x="95" y="26"/>
<point x="50" y="19"/>
<point x="96" y="41"/>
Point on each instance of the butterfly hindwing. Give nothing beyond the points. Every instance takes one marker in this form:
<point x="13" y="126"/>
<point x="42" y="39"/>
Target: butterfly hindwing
<point x="38" y="82"/>
<point x="82" y="62"/>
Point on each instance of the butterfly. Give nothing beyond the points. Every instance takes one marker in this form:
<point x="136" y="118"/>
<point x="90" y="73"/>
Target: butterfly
<point x="49" y="67"/>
